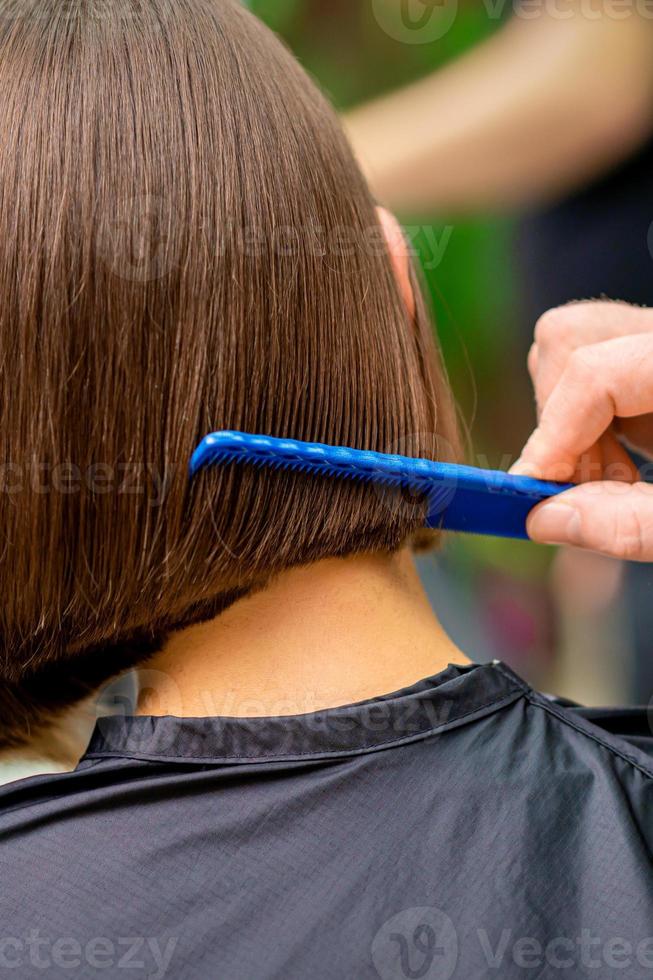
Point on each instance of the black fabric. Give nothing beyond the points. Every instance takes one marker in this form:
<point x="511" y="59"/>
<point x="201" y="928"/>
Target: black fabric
<point x="465" y="827"/>
<point x="597" y="242"/>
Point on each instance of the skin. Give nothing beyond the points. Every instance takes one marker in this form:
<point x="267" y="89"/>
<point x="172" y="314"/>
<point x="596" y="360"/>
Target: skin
<point x="543" y="106"/>
<point x="333" y="633"/>
<point x="591" y="370"/>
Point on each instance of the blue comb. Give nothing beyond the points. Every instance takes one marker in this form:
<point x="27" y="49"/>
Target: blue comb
<point x="461" y="498"/>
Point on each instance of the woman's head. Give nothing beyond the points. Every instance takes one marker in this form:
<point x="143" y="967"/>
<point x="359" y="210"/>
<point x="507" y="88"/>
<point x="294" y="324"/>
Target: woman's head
<point x="186" y="245"/>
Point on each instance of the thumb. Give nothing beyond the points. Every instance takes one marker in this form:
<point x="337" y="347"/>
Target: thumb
<point x="615" y="519"/>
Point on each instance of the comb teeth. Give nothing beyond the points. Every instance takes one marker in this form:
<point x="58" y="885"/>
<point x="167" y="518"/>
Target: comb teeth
<point x="334" y="461"/>
<point x="461" y="498"/>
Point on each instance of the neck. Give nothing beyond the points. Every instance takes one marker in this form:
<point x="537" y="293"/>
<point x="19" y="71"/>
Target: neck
<point x="332" y="633"/>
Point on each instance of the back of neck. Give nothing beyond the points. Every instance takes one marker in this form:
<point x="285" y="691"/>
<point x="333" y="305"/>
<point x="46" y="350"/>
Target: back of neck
<point x="332" y="633"/>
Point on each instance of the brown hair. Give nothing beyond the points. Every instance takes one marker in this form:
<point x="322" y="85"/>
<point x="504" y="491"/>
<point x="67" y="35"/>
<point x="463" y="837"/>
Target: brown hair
<point x="186" y="245"/>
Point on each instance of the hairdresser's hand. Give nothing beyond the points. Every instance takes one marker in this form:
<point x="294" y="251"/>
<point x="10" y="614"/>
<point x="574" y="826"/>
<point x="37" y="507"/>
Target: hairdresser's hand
<point x="592" y="368"/>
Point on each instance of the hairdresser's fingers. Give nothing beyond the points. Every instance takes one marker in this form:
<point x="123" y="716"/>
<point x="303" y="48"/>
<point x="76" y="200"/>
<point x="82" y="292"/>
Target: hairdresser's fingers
<point x="561" y="331"/>
<point x="617" y="463"/>
<point x="637" y="432"/>
<point x="615" y="519"/>
<point x="606" y="460"/>
<point x="600" y="382"/>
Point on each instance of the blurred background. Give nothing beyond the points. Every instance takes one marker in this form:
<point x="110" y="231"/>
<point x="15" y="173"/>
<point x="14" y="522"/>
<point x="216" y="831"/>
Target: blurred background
<point x="516" y="145"/>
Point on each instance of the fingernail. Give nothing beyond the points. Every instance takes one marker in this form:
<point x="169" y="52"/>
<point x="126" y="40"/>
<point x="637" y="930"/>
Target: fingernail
<point x="555" y="524"/>
<point x="520" y="468"/>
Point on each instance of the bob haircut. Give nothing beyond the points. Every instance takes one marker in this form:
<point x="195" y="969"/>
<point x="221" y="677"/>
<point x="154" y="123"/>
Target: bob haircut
<point x="186" y="245"/>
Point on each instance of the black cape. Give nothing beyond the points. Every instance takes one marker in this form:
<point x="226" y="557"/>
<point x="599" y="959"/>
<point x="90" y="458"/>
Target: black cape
<point x="464" y="827"/>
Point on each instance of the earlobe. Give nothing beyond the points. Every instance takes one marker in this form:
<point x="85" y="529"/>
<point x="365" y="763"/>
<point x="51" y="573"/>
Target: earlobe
<point x="400" y="255"/>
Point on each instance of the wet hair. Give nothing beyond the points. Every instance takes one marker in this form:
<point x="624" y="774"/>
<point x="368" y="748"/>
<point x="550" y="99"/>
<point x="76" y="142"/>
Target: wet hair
<point x="186" y="245"/>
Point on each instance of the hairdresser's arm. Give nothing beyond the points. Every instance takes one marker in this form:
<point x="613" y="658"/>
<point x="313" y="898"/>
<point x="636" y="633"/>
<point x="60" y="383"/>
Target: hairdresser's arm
<point x="541" y="107"/>
<point x="592" y="368"/>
